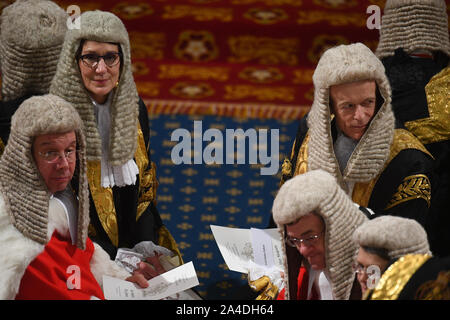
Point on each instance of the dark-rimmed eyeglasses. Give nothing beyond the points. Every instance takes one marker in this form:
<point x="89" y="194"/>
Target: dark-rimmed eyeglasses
<point x="91" y="60"/>
<point x="308" y="241"/>
<point x="54" y="157"/>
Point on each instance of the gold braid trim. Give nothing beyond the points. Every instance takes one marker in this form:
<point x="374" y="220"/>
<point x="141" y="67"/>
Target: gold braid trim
<point x="104" y="202"/>
<point x="403" y="139"/>
<point x="417" y="186"/>
<point x="302" y="158"/>
<point x="147" y="178"/>
<point x="397" y="276"/>
<point x="436" y="127"/>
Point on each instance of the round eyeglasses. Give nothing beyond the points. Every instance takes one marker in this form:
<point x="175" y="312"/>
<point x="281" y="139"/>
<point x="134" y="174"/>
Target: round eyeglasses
<point x="308" y="241"/>
<point x="91" y="60"/>
<point x="54" y="157"/>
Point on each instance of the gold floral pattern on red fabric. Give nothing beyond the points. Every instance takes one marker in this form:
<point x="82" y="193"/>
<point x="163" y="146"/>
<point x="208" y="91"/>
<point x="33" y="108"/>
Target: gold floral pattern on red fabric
<point x="261" y="74"/>
<point x="192" y="90"/>
<point x="264" y="50"/>
<point x="196" y="46"/>
<point x="147" y="45"/>
<point x="285" y="94"/>
<point x="266" y="15"/>
<point x="130" y="11"/>
<point x="198" y="13"/>
<point x="176" y="71"/>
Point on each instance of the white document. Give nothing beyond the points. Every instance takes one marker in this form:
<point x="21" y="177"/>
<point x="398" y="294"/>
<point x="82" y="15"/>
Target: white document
<point x="162" y="286"/>
<point x="235" y="245"/>
<point x="242" y="247"/>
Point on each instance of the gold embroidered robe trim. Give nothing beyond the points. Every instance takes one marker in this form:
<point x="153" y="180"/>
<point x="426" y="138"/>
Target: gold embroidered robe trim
<point x="147" y="178"/>
<point x="362" y="191"/>
<point x="301" y="165"/>
<point x="417" y="186"/>
<point x="104" y="202"/>
<point x="397" y="276"/>
<point x="103" y="197"/>
<point x="403" y="139"/>
<point x="436" y="127"/>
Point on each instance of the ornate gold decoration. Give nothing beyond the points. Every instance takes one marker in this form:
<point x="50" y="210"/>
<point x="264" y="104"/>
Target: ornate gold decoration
<point x="266" y="16"/>
<point x="323" y="42"/>
<point x="147" y="45"/>
<point x="417" y="186"/>
<point x="261" y="75"/>
<point x="148" y="88"/>
<point x="175" y="71"/>
<point x="198" y="13"/>
<point x="397" y="275"/>
<point x="261" y="93"/>
<point x="269" y="290"/>
<point x="332" y="18"/>
<point x="129" y="11"/>
<point x="286" y="167"/>
<point x="196" y="46"/>
<point x="264" y="50"/>
<point x="436" y="127"/>
<point x="104" y="202"/>
<point x="403" y="139"/>
<point x="303" y="76"/>
<point x="192" y="90"/>
<point x="147" y="178"/>
<point x="302" y="157"/>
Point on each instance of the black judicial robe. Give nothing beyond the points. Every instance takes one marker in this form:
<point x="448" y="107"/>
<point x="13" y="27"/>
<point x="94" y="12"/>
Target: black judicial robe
<point x="403" y="188"/>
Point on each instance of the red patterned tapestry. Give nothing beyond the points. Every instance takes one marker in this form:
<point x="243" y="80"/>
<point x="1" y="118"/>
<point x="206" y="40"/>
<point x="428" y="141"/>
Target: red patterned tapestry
<point x="241" y="58"/>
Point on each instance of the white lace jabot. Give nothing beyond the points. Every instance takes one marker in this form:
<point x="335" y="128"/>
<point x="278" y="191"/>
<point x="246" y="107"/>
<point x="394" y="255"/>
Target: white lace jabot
<point x="112" y="175"/>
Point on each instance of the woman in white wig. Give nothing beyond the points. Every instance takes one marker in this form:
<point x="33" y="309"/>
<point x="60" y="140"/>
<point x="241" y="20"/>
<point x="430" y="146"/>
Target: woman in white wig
<point x="94" y="74"/>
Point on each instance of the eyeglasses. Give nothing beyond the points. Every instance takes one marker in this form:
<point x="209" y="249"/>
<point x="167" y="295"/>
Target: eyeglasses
<point x="92" y="59"/>
<point x="360" y="270"/>
<point x="54" y="157"/>
<point x="309" y="241"/>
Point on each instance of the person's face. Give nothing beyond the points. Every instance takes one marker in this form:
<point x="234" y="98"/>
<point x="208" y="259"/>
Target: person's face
<point x="313" y="249"/>
<point x="59" y="172"/>
<point x="364" y="260"/>
<point x="101" y="79"/>
<point x="353" y="106"/>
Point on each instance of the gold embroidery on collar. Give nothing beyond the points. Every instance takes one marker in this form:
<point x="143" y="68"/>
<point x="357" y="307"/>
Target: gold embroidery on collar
<point x="397" y="275"/>
<point x="436" y="127"/>
<point x="104" y="202"/>
<point x="403" y="139"/>
<point x="417" y="186"/>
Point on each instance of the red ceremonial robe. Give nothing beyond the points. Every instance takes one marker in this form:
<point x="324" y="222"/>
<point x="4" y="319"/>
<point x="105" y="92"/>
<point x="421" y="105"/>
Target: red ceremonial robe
<point x="48" y="275"/>
<point x="302" y="285"/>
